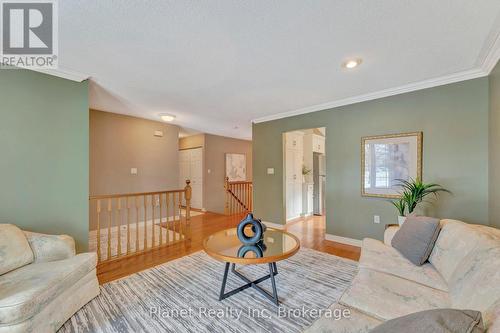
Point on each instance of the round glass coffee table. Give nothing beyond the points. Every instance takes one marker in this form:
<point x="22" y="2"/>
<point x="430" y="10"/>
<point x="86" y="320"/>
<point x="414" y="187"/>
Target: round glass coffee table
<point x="276" y="245"/>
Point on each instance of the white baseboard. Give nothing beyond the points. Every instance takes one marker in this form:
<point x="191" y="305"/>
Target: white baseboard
<point x="274" y="225"/>
<point x="343" y="240"/>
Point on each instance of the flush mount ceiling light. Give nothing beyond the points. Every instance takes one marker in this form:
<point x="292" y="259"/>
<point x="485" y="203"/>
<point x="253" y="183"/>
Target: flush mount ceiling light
<point x="352" y="63"/>
<point x="167" y="117"/>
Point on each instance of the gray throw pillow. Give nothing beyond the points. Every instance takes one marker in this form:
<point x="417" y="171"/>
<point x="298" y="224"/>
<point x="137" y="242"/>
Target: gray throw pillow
<point x="416" y="237"/>
<point x="435" y="321"/>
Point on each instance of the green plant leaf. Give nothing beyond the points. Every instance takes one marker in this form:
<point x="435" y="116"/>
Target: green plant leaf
<point x="414" y="192"/>
<point x="400" y="206"/>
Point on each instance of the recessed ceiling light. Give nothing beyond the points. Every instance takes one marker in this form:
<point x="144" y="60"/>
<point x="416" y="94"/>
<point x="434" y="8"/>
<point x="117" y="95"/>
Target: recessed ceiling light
<point x="167" y="117"/>
<point x="352" y="63"/>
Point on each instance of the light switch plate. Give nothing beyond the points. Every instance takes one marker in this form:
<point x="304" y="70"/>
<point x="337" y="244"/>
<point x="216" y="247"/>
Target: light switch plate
<point x="270" y="171"/>
<point x="133" y="171"/>
<point x="376" y="219"/>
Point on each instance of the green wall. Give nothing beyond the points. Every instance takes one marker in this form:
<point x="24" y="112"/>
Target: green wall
<point x="495" y="146"/>
<point x="454" y="122"/>
<point x="44" y="161"/>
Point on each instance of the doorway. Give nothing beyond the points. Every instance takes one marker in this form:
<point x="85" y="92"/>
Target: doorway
<point x="304" y="173"/>
<point x="191" y="167"/>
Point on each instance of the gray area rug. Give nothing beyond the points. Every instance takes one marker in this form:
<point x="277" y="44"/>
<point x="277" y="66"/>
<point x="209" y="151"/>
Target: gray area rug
<point x="182" y="296"/>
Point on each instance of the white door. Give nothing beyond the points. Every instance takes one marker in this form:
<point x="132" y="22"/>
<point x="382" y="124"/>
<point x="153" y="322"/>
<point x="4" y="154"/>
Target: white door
<point x="196" y="174"/>
<point x="297" y="184"/>
<point x="184" y="167"/>
<point x="293" y="175"/>
<point x="290" y="181"/>
<point x="191" y="167"/>
<point x="289" y="201"/>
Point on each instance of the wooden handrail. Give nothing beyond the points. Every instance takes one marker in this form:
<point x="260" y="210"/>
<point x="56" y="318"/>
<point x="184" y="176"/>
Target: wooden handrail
<point x="138" y="194"/>
<point x="239" y="182"/>
<point x="238" y="199"/>
<point x="239" y="196"/>
<point x="146" y="214"/>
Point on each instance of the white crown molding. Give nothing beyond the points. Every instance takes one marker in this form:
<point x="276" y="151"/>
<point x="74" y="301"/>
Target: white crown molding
<point x="64" y="73"/>
<point x="490" y="53"/>
<point x="343" y="240"/>
<point x="492" y="57"/>
<point x="274" y="225"/>
<point x="452" y="78"/>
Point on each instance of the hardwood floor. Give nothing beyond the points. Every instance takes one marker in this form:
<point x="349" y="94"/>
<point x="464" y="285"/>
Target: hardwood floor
<point x="310" y="231"/>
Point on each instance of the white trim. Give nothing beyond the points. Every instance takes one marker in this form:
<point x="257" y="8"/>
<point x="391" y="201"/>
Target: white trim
<point x="343" y="240"/>
<point x="493" y="56"/>
<point x="490" y="53"/>
<point x="64" y="73"/>
<point x="274" y="225"/>
<point x="293" y="218"/>
<point x="452" y="78"/>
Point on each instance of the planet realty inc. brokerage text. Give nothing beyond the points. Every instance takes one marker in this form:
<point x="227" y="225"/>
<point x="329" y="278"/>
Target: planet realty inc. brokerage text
<point x="227" y="312"/>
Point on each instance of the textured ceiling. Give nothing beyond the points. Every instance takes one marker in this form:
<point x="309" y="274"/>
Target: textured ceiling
<point x="217" y="65"/>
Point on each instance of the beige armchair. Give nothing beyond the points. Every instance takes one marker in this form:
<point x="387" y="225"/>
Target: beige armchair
<point x="42" y="281"/>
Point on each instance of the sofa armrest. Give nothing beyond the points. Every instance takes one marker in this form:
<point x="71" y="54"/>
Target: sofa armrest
<point x="50" y="247"/>
<point x="390" y="231"/>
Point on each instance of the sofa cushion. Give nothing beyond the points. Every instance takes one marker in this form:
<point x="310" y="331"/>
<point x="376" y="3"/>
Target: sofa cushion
<point x="356" y="322"/>
<point x="475" y="284"/>
<point x="50" y="247"/>
<point x="435" y="321"/>
<point x="416" y="237"/>
<point x="455" y="241"/>
<point x="15" y="250"/>
<point x="490" y="231"/>
<point x="491" y="317"/>
<point x="377" y="256"/>
<point x="26" y="290"/>
<point x="385" y="296"/>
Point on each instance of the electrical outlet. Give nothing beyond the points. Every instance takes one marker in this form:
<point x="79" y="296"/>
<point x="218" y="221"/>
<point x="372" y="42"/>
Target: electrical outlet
<point x="376" y="219"/>
<point x="133" y="171"/>
<point x="270" y="171"/>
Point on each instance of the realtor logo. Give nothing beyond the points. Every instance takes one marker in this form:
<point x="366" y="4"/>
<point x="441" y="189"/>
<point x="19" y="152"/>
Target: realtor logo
<point x="29" y="33"/>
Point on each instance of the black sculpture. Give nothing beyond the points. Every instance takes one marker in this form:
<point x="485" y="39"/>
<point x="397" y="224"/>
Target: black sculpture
<point x="258" y="229"/>
<point x="256" y="249"/>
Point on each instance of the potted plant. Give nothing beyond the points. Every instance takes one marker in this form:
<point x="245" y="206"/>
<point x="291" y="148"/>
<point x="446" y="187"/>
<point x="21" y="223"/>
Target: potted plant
<point x="401" y="207"/>
<point x="413" y="193"/>
<point x="305" y="171"/>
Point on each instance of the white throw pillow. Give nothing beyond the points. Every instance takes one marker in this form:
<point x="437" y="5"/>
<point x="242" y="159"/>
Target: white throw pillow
<point x="15" y="251"/>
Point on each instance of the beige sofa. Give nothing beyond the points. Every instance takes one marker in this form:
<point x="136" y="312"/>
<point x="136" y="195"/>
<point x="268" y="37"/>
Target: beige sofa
<point x="463" y="272"/>
<point x="50" y="285"/>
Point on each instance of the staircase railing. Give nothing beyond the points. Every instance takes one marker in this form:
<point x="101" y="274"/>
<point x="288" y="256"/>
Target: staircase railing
<point x="126" y="224"/>
<point x="239" y="197"/>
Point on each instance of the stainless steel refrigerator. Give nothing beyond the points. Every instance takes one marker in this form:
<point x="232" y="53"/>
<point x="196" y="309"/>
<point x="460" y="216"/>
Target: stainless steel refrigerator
<point x="319" y="178"/>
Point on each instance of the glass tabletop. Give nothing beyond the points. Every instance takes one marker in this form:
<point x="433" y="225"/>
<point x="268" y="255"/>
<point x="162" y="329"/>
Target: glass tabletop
<point x="276" y="245"/>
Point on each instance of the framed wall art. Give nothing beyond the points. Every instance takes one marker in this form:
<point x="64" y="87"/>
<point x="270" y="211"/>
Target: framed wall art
<point x="236" y="167"/>
<point x="387" y="158"/>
